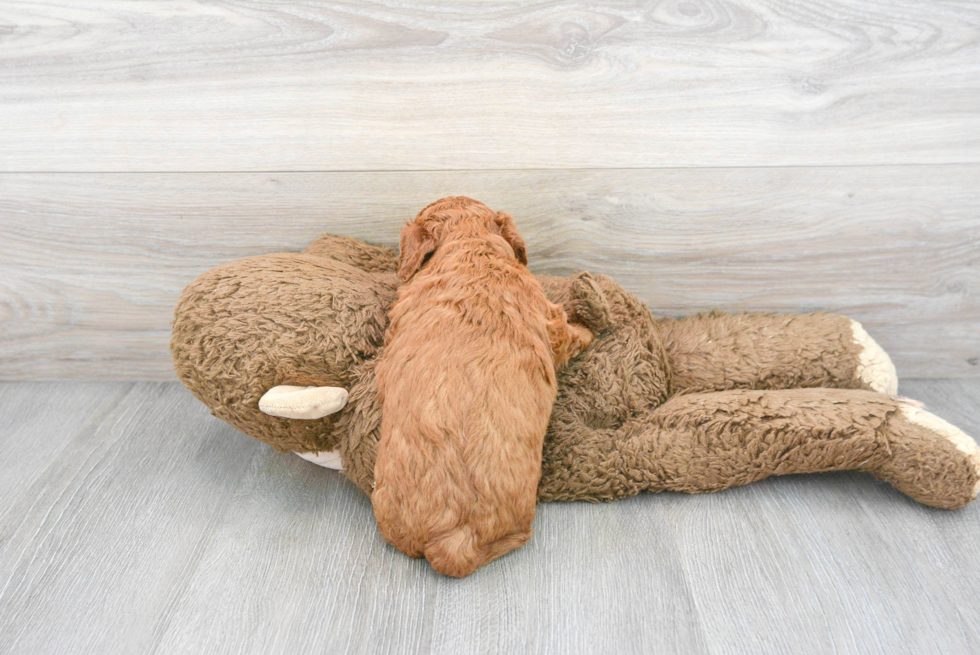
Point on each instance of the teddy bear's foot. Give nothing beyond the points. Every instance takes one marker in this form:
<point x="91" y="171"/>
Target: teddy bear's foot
<point x="931" y="460"/>
<point x="326" y="458"/>
<point x="302" y="402"/>
<point x="874" y="367"/>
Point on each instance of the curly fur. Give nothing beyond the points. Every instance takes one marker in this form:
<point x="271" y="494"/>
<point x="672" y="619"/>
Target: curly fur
<point x="467" y="382"/>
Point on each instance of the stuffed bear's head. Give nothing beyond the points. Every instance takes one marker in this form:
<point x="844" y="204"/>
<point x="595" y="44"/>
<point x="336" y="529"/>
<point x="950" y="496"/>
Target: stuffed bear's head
<point x="294" y="319"/>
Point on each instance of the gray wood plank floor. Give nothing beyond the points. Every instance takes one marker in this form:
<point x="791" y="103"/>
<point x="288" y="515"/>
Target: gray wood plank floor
<point x="133" y="521"/>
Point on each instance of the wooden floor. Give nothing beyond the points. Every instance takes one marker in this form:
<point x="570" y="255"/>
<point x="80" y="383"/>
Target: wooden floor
<point x="133" y="521"/>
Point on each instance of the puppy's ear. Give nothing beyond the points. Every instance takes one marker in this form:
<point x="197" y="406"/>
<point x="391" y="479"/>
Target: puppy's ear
<point x="416" y="244"/>
<point x="509" y="232"/>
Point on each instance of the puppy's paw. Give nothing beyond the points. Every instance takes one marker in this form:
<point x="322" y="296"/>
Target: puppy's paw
<point x="302" y="402"/>
<point x="582" y="338"/>
<point x="587" y="304"/>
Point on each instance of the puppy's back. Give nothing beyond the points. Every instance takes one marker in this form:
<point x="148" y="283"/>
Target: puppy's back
<point x="467" y="397"/>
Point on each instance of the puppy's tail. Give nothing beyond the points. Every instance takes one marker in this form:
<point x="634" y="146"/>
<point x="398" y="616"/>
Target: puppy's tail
<point x="459" y="552"/>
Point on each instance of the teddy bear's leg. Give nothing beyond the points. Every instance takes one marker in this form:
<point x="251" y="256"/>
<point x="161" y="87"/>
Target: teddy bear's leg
<point x="703" y="442"/>
<point x="875" y="368"/>
<point x="927" y="459"/>
<point x="712" y="352"/>
<point x="710" y="441"/>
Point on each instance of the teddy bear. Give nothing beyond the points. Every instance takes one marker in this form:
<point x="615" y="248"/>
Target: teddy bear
<point x="284" y="346"/>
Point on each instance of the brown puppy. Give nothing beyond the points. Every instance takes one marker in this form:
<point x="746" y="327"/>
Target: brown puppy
<point x="467" y="382"/>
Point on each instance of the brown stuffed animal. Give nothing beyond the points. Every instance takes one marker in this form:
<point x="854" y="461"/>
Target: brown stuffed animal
<point x="272" y="344"/>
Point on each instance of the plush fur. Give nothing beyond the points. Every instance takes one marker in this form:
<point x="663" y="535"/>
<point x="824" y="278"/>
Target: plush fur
<point x="697" y="404"/>
<point x="466" y="383"/>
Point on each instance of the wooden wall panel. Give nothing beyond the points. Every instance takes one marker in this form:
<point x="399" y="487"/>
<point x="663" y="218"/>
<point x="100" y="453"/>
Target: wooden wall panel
<point x="138" y="85"/>
<point x="91" y="265"/>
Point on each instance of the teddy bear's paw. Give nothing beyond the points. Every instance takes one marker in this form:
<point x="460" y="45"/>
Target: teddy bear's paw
<point x="326" y="458"/>
<point x="588" y="303"/>
<point x="931" y="460"/>
<point x="946" y="430"/>
<point x="875" y="367"/>
<point x="302" y="402"/>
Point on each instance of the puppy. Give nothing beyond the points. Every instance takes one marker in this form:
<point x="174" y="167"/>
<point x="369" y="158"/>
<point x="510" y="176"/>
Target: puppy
<point x="467" y="383"/>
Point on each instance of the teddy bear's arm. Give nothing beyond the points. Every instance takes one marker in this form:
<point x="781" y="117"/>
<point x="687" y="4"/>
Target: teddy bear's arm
<point x="365" y="256"/>
<point x="703" y="442"/>
<point x="716" y="351"/>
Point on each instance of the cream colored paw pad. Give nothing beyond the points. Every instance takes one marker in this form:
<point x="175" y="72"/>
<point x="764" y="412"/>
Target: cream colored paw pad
<point x="302" y="402"/>
<point x="875" y="367"/>
<point x="963" y="442"/>
<point x="327" y="459"/>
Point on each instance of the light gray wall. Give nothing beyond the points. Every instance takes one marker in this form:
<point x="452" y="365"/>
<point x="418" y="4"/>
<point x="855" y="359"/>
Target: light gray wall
<point x="736" y="155"/>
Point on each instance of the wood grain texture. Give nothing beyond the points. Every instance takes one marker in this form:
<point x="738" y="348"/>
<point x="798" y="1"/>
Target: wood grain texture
<point x="29" y="445"/>
<point x="92" y="265"/>
<point x="139" y="85"/>
<point x="837" y="561"/>
<point x="155" y="528"/>
<point x="95" y="553"/>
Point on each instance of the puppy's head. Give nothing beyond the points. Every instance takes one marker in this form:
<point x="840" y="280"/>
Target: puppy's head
<point x="455" y="215"/>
